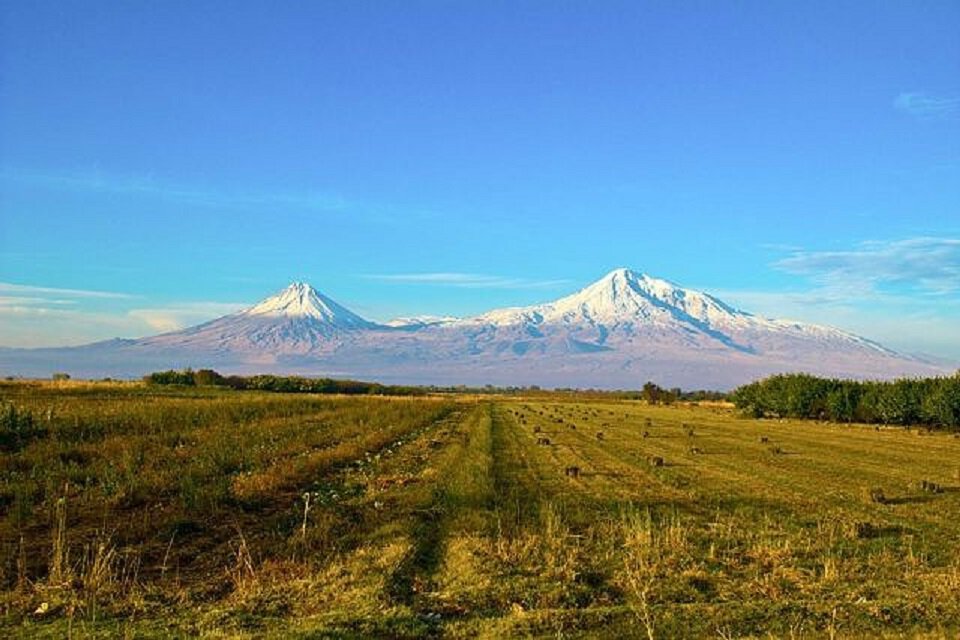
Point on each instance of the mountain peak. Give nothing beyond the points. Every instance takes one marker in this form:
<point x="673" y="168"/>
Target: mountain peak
<point x="301" y="300"/>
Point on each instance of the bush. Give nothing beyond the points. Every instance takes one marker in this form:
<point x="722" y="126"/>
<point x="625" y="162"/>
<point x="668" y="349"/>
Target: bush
<point x="17" y="428"/>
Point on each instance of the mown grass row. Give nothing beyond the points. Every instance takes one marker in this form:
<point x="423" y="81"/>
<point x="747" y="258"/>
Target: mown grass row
<point x="167" y="509"/>
<point x="789" y="537"/>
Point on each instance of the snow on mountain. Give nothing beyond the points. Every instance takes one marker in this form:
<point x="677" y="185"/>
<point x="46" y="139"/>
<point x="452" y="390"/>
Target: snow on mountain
<point x="418" y="322"/>
<point x="624" y="329"/>
<point x="300" y="300"/>
<point x="297" y="320"/>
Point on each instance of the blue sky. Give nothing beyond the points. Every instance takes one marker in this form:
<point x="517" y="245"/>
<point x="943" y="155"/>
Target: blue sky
<point x="162" y="163"/>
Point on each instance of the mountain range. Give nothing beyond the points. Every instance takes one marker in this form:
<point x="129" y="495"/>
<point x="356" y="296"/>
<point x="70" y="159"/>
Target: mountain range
<point x="618" y="332"/>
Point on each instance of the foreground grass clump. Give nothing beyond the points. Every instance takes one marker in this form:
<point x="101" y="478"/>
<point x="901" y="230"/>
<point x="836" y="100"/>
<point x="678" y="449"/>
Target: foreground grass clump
<point x="175" y="511"/>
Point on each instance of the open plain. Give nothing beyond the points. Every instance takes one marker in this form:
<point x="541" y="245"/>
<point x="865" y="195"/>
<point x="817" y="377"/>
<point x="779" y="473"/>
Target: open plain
<point x="138" y="511"/>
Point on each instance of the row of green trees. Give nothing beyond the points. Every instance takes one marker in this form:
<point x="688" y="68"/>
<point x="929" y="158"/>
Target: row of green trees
<point x="934" y="402"/>
<point x="281" y="384"/>
<point x="653" y="393"/>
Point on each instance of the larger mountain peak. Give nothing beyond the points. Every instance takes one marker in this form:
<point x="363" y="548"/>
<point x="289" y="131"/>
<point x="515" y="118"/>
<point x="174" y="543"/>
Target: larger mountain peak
<point x="623" y="293"/>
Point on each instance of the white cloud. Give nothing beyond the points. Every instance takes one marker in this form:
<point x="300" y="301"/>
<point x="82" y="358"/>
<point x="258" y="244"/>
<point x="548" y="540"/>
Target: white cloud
<point x="26" y="301"/>
<point x="467" y="280"/>
<point x="923" y="105"/>
<point x="9" y="287"/>
<point x="901" y="293"/>
<point x="929" y="265"/>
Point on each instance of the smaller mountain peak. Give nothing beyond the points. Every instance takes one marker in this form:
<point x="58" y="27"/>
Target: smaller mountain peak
<point x="301" y="300"/>
<point x="300" y="287"/>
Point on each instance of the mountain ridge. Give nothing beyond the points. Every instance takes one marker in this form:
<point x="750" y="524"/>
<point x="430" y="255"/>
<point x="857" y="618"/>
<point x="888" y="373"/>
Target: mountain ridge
<point x="625" y="326"/>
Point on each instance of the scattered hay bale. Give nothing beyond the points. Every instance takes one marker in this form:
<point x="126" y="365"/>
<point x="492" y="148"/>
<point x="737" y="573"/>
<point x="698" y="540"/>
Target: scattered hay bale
<point x="648" y="422"/>
<point x="690" y="433"/>
<point x="877" y="429"/>
<point x="859" y="530"/>
<point x="536" y="429"/>
<point x="573" y="427"/>
<point x="777" y="451"/>
<point x="696" y="450"/>
<point x="930" y="487"/>
<point x="543" y="441"/>
<point x="655" y="461"/>
<point x="599" y="435"/>
<point x="764" y="440"/>
<point x="876" y="495"/>
<point x="646" y="434"/>
<point x="572" y="472"/>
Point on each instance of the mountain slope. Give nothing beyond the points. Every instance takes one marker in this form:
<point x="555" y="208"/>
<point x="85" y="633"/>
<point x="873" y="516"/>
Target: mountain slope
<point x="620" y="331"/>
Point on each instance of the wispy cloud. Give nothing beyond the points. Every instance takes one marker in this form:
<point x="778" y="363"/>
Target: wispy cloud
<point x="930" y="265"/>
<point x="9" y="287"/>
<point x="467" y="280"/>
<point x="177" y="316"/>
<point x="38" y="322"/>
<point x="150" y="186"/>
<point x="923" y="105"/>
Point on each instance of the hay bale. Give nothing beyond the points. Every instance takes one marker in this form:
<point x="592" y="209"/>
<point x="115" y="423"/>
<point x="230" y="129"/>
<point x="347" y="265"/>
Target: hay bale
<point x="859" y="530"/>
<point x="537" y="429"/>
<point x="655" y="461"/>
<point x="876" y="495"/>
<point x="543" y="441"/>
<point x="572" y="472"/>
<point x="764" y="440"/>
<point x="599" y="435"/>
<point x="930" y="487"/>
<point x="646" y="434"/>
<point x="696" y="450"/>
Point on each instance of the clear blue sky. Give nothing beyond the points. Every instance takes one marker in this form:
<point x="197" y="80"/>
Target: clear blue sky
<point x="163" y="162"/>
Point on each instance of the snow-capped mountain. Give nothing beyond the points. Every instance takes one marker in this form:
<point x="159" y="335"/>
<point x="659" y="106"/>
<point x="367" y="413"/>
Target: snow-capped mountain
<point x="620" y="331"/>
<point x="297" y="320"/>
<point x="300" y="300"/>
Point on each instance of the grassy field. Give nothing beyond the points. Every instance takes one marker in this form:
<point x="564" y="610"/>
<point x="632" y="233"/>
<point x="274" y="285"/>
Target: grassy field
<point x="147" y="512"/>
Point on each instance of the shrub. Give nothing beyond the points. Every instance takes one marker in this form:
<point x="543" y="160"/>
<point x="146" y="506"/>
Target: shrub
<point x="17" y="428"/>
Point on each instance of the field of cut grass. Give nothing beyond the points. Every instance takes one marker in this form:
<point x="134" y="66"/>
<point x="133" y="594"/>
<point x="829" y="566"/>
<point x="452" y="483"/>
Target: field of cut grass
<point x="171" y="512"/>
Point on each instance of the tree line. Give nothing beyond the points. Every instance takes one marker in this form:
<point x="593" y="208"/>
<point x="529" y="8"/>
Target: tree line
<point x="280" y="384"/>
<point x="934" y="402"/>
